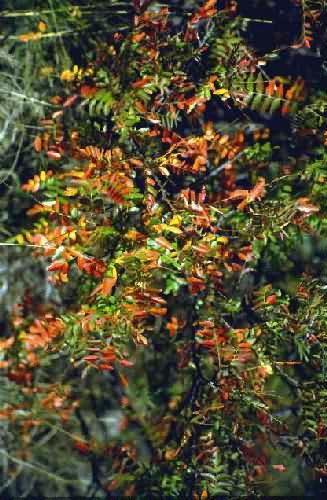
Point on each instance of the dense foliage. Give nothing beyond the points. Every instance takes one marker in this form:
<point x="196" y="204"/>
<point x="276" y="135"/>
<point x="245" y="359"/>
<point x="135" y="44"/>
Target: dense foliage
<point x="176" y="193"/>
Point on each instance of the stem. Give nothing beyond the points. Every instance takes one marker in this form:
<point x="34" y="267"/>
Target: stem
<point x="25" y="97"/>
<point x="37" y="468"/>
<point x="25" y="245"/>
<point x="38" y="13"/>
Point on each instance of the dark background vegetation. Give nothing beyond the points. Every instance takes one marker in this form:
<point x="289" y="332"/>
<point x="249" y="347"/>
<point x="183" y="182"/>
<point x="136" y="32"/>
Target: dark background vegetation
<point x="21" y="72"/>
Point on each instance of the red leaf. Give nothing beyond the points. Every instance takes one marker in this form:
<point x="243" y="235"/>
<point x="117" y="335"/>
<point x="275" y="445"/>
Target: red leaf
<point x="91" y="357"/>
<point x="58" y="265"/>
<point x="54" y="155"/>
<point x="126" y="362"/>
<point x="82" y="447"/>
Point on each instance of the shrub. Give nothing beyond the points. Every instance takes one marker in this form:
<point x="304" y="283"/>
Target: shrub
<point x="186" y="233"/>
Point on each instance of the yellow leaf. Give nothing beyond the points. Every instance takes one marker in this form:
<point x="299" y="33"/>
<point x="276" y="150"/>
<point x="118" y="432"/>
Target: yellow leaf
<point x="72" y="235"/>
<point x="120" y="259"/>
<point x="176" y="220"/>
<point x="82" y="222"/>
<point x="42" y="26"/>
<point x="172" y="229"/>
<point x="164" y="171"/>
<point x="170" y="454"/>
<point x="222" y="239"/>
<point x="76" y="11"/>
<point x="63" y="277"/>
<point x="29" y="237"/>
<point x="221" y="92"/>
<point x="131" y="234"/>
<point x="112" y="273"/>
<point x="79" y="174"/>
<point x="268" y="369"/>
<point x="224" y="93"/>
<point x="46" y="70"/>
<point x="70" y="191"/>
<point x="20" y="239"/>
<point x="187" y="246"/>
<point x="67" y="75"/>
<point x="141" y="339"/>
<point x="43" y="176"/>
<point x="26" y="37"/>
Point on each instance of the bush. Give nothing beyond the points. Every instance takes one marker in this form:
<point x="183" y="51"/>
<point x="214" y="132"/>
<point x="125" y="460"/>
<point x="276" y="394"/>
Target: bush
<point x="180" y="207"/>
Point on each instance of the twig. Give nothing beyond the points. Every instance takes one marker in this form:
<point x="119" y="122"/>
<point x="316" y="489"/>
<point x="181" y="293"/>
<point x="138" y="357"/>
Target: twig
<point x="217" y="170"/>
<point x="25" y="245"/>
<point x="26" y="98"/>
<point x="37" y="468"/>
<point x="13" y="166"/>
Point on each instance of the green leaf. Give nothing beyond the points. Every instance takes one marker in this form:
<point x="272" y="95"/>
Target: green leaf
<point x="275" y="105"/>
<point x="257" y="101"/>
<point x="260" y="85"/>
<point x="250" y="83"/>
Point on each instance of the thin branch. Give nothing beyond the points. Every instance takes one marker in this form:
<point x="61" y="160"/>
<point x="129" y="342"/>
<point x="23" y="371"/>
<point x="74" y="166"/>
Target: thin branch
<point x="38" y="13"/>
<point x="217" y="170"/>
<point x="13" y="166"/>
<point x="25" y="245"/>
<point x="36" y="467"/>
<point x="6" y="485"/>
<point x="27" y="98"/>
<point x="64" y="33"/>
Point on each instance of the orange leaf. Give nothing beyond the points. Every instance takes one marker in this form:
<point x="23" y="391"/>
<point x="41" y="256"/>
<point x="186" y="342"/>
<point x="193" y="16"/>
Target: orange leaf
<point x="6" y="343"/>
<point x="280" y="90"/>
<point x="245" y="345"/>
<point x="88" y="91"/>
<point x="172" y="326"/>
<point x="163" y="243"/>
<point x="270" y="89"/>
<point x="37" y="144"/>
<point x="259" y="189"/>
<point x="56" y="99"/>
<point x="279" y="467"/>
<point x="137" y="37"/>
<point x="142" y="83"/>
<point x="70" y="101"/>
<point x="107" y="285"/>
<point x="256" y="193"/>
<point x="272" y="299"/>
<point x="304" y="205"/>
<point x="238" y="194"/>
<point x="158" y="311"/>
<point x="140" y="106"/>
<point x="26" y="37"/>
<point x="123" y="379"/>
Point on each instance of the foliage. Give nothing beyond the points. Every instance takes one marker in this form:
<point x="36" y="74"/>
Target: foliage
<point x="186" y="235"/>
